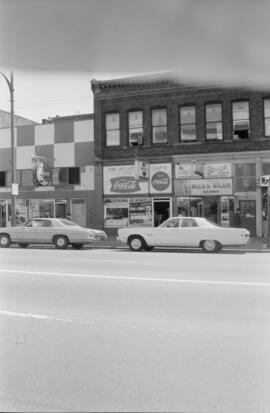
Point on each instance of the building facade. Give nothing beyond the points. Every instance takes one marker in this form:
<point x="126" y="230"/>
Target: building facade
<point x="204" y="149"/>
<point x="74" y="184"/>
<point x="18" y="120"/>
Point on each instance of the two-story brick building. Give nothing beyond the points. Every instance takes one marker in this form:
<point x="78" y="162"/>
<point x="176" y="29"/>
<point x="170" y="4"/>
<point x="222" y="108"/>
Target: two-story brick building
<point x="205" y="146"/>
<point x="67" y="145"/>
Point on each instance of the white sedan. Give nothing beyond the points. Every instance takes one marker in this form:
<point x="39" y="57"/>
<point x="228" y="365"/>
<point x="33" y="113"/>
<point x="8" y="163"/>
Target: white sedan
<point x="183" y="232"/>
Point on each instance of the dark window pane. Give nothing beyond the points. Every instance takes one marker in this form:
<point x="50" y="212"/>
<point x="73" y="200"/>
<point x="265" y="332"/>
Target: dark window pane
<point x="74" y="176"/>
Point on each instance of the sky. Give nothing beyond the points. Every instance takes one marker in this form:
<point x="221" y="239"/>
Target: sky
<point x="55" y="47"/>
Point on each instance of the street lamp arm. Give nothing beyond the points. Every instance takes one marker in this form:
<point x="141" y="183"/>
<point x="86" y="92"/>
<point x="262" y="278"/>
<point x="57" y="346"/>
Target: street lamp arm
<point x="10" y="85"/>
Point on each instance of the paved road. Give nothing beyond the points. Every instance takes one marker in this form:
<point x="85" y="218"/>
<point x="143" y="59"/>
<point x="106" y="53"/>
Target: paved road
<point x="108" y="330"/>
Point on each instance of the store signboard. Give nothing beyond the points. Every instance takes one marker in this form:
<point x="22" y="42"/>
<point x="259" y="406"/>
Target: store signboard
<point x="203" y="187"/>
<point x="208" y="170"/>
<point x="211" y="187"/>
<point x="217" y="170"/>
<point x="140" y="212"/>
<point x="121" y="180"/>
<point x="160" y="179"/>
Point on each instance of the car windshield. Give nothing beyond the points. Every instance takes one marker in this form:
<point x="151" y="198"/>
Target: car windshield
<point x="68" y="223"/>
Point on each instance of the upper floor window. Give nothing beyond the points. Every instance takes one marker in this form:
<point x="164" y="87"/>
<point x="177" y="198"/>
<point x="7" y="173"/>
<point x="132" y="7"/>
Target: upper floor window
<point x="112" y="129"/>
<point x="213" y="114"/>
<point x="241" y="120"/>
<point x="267" y="117"/>
<point x="159" y="125"/>
<point x="3" y="180"/>
<point x="135" y="127"/>
<point x="188" y="123"/>
<point x="66" y="176"/>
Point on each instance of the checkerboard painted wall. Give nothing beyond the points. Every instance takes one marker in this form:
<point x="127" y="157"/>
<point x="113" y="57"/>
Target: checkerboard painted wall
<point x="64" y="144"/>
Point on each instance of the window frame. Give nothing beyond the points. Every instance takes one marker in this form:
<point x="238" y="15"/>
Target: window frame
<point x="265" y="117"/>
<point x="159" y="108"/>
<point x="129" y="128"/>
<point x="213" y="122"/>
<point x="114" y="112"/>
<point x="232" y="112"/>
<point x="190" y="105"/>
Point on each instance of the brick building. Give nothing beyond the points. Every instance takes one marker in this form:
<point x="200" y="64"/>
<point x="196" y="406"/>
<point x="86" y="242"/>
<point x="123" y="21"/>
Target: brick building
<point x="67" y="145"/>
<point x="205" y="147"/>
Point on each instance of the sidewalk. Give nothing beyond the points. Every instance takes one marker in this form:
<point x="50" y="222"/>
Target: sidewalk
<point x="255" y="244"/>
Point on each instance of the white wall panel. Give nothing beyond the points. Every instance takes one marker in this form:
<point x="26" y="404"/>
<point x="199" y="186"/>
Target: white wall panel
<point x="64" y="154"/>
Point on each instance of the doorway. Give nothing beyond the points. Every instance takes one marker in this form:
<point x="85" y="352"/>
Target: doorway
<point x="210" y="206"/>
<point x="162" y="210"/>
<point x="60" y="208"/>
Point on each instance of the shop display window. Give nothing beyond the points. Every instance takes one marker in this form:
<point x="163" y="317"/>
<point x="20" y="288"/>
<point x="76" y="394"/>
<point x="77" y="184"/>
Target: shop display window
<point x="43" y="208"/>
<point x="116" y="212"/>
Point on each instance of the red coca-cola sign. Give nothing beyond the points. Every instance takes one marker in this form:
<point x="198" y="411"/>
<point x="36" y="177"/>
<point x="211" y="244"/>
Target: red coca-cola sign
<point x="124" y="184"/>
<point x="160" y="181"/>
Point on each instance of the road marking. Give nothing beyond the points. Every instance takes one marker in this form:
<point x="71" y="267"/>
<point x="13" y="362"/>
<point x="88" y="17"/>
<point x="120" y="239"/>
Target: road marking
<point x="134" y="278"/>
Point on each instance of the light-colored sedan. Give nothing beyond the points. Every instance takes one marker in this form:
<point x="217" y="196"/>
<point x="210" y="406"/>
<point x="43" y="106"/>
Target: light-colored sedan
<point x="60" y="232"/>
<point x="183" y="232"/>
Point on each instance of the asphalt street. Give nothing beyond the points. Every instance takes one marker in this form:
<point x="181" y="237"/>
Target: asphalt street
<point x="112" y="330"/>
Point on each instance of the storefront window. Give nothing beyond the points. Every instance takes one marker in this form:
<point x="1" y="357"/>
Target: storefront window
<point x="189" y="206"/>
<point x="21" y="211"/>
<point x="140" y="212"/>
<point x="245" y="177"/>
<point x="41" y="208"/>
<point x="116" y="212"/>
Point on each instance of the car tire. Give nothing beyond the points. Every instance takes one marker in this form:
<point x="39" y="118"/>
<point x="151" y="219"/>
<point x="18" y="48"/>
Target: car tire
<point x="136" y="243"/>
<point x="210" y="245"/>
<point x="5" y="241"/>
<point x="60" y="242"/>
<point x="23" y="245"/>
<point x="77" y="246"/>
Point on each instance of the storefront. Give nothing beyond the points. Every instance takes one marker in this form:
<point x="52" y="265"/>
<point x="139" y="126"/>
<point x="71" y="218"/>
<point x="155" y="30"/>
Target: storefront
<point x="205" y="190"/>
<point x="129" y="201"/>
<point x="46" y="208"/>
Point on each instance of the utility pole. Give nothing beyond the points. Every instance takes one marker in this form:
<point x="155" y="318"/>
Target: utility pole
<point x="14" y="186"/>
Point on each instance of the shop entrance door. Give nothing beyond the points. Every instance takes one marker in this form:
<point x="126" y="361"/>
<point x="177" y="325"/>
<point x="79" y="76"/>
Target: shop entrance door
<point x="60" y="208"/>
<point x="3" y="214"/>
<point x="162" y="210"/>
<point x="210" y="208"/>
<point x="248" y="214"/>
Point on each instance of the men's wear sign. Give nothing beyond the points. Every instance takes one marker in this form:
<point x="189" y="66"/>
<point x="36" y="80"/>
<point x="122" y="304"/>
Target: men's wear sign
<point x="121" y="179"/>
<point x="160" y="178"/>
<point x="206" y="187"/>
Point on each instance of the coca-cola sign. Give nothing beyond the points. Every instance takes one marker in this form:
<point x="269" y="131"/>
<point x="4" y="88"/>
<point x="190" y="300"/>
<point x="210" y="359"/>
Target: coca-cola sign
<point x="124" y="184"/>
<point x="160" y="181"/>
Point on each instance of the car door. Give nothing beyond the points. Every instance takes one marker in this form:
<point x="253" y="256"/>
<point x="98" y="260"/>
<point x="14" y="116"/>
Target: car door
<point x="167" y="234"/>
<point x="44" y="231"/>
<point x="26" y="233"/>
<point x="189" y="232"/>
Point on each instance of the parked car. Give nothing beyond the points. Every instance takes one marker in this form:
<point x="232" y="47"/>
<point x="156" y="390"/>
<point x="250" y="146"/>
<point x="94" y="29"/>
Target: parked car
<point x="183" y="232"/>
<point x="60" y="232"/>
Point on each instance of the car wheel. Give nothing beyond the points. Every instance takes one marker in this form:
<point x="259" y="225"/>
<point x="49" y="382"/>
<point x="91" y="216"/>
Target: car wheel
<point x="23" y="245"/>
<point x="60" y="242"/>
<point x="136" y="243"/>
<point x="210" y="245"/>
<point x="5" y="241"/>
<point x="77" y="246"/>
